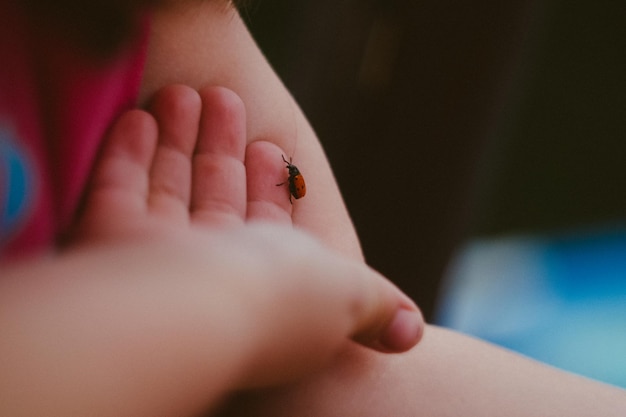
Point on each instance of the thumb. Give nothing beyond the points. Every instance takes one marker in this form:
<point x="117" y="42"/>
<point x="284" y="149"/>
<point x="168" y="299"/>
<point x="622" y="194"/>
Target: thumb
<point x="387" y="320"/>
<point x="305" y="307"/>
<point x="320" y="281"/>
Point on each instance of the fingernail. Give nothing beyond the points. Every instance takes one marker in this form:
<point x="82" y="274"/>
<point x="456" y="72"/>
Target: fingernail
<point x="403" y="331"/>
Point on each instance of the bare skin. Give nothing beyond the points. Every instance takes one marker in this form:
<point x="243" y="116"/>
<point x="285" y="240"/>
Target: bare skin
<point x="175" y="290"/>
<point x="125" y="317"/>
<point x="201" y="176"/>
<point x="206" y="43"/>
<point x="216" y="49"/>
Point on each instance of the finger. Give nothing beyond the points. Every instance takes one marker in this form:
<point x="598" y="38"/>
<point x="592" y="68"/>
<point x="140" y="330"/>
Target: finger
<point x="127" y="154"/>
<point x="120" y="183"/>
<point x="219" y="174"/>
<point x="265" y="169"/>
<point x="177" y="110"/>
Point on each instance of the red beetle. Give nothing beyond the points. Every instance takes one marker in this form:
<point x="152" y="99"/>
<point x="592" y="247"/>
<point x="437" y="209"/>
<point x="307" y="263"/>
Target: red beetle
<point x="297" y="187"/>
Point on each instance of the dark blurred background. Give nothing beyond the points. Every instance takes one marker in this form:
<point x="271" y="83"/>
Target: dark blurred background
<point x="448" y="119"/>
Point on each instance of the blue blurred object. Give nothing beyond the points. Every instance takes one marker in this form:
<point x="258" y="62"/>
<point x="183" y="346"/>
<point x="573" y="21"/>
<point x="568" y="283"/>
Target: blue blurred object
<point x="558" y="299"/>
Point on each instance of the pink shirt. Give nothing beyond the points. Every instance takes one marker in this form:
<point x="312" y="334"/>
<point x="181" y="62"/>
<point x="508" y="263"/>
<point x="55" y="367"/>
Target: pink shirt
<point x="55" y="107"/>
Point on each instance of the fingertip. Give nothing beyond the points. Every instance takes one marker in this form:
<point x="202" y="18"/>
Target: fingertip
<point x="395" y="324"/>
<point x="133" y="135"/>
<point x="265" y="169"/>
<point x="177" y="110"/>
<point x="223" y="124"/>
<point x="175" y="98"/>
<point x="404" y="331"/>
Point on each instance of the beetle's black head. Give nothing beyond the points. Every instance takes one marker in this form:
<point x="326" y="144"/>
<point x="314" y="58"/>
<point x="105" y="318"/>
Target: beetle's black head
<point x="293" y="170"/>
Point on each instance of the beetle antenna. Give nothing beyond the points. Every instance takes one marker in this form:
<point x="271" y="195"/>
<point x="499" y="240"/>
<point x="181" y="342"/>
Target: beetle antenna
<point x="295" y="126"/>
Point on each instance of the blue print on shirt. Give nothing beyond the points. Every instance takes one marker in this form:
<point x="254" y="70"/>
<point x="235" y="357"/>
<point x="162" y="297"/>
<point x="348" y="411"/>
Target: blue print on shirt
<point x="16" y="190"/>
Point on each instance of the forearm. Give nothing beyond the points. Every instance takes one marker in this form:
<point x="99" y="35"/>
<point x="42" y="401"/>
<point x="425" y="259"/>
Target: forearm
<point x="446" y="375"/>
<point x="457" y="375"/>
<point x="167" y="326"/>
<point x="205" y="43"/>
<point x="85" y="334"/>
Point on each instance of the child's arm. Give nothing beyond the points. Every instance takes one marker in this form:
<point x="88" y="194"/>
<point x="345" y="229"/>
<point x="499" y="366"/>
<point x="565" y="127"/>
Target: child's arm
<point x="203" y="43"/>
<point x="199" y="43"/>
<point x="446" y="375"/>
<point x="165" y="299"/>
<point x="166" y="327"/>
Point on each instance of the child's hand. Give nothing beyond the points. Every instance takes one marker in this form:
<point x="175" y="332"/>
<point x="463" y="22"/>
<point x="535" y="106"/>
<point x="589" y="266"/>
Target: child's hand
<point x="168" y="326"/>
<point x="186" y="170"/>
<point x="185" y="280"/>
<point x="186" y="165"/>
<point x="185" y="272"/>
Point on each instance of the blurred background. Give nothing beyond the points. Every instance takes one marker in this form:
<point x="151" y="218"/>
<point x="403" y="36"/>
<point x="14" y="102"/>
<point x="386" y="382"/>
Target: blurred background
<point x="479" y="147"/>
